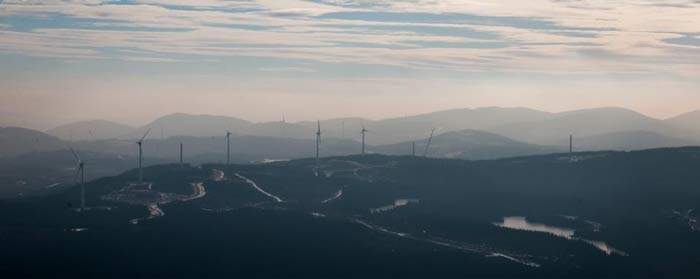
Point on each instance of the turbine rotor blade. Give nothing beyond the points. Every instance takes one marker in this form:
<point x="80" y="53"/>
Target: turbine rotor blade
<point x="146" y="134"/>
<point x="75" y="155"/>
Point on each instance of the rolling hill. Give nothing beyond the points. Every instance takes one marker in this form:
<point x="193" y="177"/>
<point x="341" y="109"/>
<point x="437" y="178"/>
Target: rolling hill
<point x="181" y="124"/>
<point x="43" y="173"/>
<point x="613" y="128"/>
<point x="583" y="123"/>
<point x="591" y="215"/>
<point x="279" y="129"/>
<point x="630" y="140"/>
<point x="478" y="118"/>
<point x="689" y="120"/>
<point x="522" y="124"/>
<point x="397" y="130"/>
<point x="342" y="128"/>
<point x="91" y="130"/>
<point x="16" y="141"/>
<point x="244" y="148"/>
<point x="466" y="144"/>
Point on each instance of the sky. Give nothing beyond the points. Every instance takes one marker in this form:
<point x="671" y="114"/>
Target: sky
<point x="132" y="61"/>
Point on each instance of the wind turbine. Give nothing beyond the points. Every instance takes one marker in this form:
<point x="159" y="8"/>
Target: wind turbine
<point x="571" y="144"/>
<point x="425" y="153"/>
<point x="318" y="139"/>
<point x="282" y="126"/>
<point x="364" y="131"/>
<point x="81" y="172"/>
<point x="181" y="147"/>
<point x="571" y="148"/>
<point x="140" y="143"/>
<point x="228" y="147"/>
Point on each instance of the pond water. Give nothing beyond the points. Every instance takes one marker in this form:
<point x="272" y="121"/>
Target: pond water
<point x="521" y="223"/>
<point x="397" y="203"/>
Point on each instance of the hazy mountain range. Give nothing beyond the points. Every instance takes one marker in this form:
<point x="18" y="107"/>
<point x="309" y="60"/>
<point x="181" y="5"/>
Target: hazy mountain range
<point x="523" y="124"/>
<point x="466" y="144"/>
<point x="91" y="130"/>
<point x="472" y="134"/>
<point x="591" y="122"/>
<point x="690" y="120"/>
<point x="482" y="133"/>
<point x="16" y="141"/>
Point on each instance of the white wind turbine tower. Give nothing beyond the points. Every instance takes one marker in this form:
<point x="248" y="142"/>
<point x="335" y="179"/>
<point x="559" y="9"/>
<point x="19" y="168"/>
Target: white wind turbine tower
<point x="228" y="147"/>
<point x="318" y="140"/>
<point x="571" y="144"/>
<point x="571" y="148"/>
<point x="364" y="131"/>
<point x="181" y="149"/>
<point x="140" y="143"/>
<point x="81" y="173"/>
<point x="282" y="126"/>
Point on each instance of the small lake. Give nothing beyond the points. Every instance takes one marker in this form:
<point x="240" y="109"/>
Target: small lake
<point x="268" y="161"/>
<point x="521" y="223"/>
<point x="397" y="203"/>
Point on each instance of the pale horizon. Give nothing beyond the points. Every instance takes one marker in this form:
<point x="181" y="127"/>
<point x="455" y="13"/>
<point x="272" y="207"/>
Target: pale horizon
<point x="294" y="120"/>
<point x="132" y="61"/>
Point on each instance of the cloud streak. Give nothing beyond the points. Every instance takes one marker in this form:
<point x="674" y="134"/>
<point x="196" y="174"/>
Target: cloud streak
<point x="539" y="36"/>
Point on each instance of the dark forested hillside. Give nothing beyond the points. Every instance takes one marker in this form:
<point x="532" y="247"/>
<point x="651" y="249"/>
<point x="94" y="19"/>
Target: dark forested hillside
<point x="602" y="214"/>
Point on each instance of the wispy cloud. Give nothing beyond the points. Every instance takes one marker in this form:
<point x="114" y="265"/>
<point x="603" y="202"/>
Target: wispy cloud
<point x="287" y="70"/>
<point x="152" y="59"/>
<point x="422" y="35"/>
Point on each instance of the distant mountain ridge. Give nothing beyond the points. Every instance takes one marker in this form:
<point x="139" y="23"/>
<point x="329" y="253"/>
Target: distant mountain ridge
<point x="688" y="120"/>
<point x="91" y="130"/>
<point x="521" y="124"/>
<point x="478" y="118"/>
<point x="556" y="129"/>
<point x="386" y="131"/>
<point x="16" y="141"/>
<point x="630" y="140"/>
<point x="467" y="144"/>
<point x="182" y="124"/>
<point x="417" y="127"/>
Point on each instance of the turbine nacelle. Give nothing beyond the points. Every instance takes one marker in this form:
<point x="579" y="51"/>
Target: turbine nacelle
<point x="144" y="136"/>
<point x="77" y="157"/>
